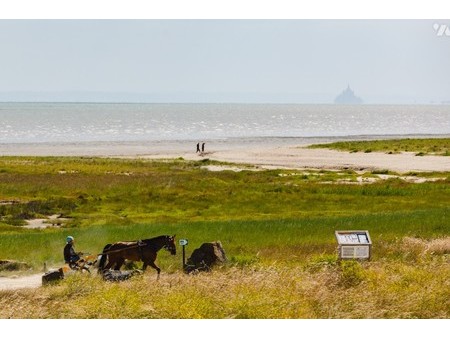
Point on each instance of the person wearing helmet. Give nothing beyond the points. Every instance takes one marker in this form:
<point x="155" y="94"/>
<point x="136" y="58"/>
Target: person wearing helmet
<point x="70" y="256"/>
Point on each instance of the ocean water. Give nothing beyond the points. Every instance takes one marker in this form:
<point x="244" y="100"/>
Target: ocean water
<point x="92" y="122"/>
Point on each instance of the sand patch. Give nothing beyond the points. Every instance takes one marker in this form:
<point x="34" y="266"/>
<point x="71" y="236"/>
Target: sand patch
<point x="229" y="167"/>
<point x="370" y="180"/>
<point x="8" y="202"/>
<point x="42" y="223"/>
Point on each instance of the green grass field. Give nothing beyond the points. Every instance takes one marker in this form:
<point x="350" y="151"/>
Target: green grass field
<point x="432" y="146"/>
<point x="276" y="226"/>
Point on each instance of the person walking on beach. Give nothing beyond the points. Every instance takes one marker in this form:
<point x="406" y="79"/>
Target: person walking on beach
<point x="203" y="147"/>
<point x="198" y="147"/>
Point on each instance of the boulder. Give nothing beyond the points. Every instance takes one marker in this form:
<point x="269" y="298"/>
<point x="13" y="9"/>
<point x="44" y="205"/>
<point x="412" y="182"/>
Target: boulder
<point x="205" y="257"/>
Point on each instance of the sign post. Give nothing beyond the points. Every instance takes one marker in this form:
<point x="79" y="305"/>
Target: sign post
<point x="183" y="243"/>
<point x="354" y="244"/>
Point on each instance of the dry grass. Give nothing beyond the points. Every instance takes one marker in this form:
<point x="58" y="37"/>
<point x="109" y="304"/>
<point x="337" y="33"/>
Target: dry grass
<point x="324" y="288"/>
<point x="422" y="247"/>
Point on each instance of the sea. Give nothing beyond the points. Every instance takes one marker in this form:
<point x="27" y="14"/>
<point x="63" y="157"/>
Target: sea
<point x="34" y="123"/>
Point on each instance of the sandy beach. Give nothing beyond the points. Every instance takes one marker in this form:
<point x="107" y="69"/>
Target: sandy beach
<point x="270" y="153"/>
<point x="302" y="158"/>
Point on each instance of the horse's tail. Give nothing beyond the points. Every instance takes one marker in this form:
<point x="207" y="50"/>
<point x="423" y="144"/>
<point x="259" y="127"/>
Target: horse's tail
<point x="103" y="258"/>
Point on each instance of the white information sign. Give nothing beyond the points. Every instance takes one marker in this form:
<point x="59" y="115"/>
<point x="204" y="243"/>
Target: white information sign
<point x="354" y="251"/>
<point x="354" y="244"/>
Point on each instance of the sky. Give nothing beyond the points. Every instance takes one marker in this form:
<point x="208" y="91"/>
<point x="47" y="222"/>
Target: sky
<point x="243" y="61"/>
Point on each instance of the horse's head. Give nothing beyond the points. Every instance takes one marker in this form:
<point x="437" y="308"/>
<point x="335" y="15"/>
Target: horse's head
<point x="170" y="245"/>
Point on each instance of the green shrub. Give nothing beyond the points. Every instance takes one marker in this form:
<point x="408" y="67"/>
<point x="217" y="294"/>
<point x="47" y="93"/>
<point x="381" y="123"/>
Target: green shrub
<point x="351" y="273"/>
<point x="243" y="260"/>
<point x="13" y="266"/>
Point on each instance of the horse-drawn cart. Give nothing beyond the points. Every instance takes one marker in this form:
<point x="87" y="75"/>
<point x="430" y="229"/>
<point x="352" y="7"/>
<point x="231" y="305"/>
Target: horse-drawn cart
<point x="81" y="265"/>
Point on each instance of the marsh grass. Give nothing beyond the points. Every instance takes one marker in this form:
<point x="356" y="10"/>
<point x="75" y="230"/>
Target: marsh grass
<point x="277" y="229"/>
<point x="245" y="242"/>
<point x="432" y="146"/>
<point x="96" y="192"/>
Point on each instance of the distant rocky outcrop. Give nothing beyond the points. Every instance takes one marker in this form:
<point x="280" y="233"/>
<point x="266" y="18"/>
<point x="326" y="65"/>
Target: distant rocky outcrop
<point x="11" y="265"/>
<point x="347" y="97"/>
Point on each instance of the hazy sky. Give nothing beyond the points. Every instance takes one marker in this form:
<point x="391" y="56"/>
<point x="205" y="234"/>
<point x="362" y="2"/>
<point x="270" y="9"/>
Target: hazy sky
<point x="305" y="61"/>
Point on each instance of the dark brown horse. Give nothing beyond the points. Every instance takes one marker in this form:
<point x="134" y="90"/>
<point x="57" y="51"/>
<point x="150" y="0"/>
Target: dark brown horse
<point x="142" y="250"/>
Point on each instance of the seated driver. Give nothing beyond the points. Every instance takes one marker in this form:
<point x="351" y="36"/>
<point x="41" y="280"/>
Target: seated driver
<point x="70" y="256"/>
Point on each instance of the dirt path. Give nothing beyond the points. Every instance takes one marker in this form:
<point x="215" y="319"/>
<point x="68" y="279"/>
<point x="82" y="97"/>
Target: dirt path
<point x="14" y="283"/>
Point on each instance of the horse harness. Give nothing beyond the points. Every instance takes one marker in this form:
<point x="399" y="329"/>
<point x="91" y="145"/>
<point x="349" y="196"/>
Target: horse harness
<point x="140" y="244"/>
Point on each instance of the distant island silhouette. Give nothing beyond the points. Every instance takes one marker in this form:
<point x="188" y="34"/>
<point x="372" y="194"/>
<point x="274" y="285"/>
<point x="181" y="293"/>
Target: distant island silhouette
<point x="347" y="97"/>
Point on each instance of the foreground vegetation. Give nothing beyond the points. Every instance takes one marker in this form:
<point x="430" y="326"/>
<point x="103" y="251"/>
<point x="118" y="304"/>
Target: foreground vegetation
<point x="323" y="288"/>
<point x="277" y="228"/>
<point x="431" y="146"/>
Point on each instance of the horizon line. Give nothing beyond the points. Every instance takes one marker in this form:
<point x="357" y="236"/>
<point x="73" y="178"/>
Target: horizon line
<point x="231" y="102"/>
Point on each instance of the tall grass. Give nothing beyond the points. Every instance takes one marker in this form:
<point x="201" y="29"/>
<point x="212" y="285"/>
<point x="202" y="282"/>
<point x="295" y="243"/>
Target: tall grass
<point x="277" y="230"/>
<point x="335" y="290"/>
<point x="245" y="242"/>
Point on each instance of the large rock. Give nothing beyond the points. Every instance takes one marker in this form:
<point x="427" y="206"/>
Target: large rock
<point x="203" y="258"/>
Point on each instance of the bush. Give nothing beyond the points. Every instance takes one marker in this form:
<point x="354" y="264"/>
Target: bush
<point x="321" y="263"/>
<point x="15" y="214"/>
<point x="7" y="265"/>
<point x="351" y="273"/>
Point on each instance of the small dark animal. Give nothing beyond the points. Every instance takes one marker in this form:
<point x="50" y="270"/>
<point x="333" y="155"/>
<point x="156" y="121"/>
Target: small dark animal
<point x="52" y="276"/>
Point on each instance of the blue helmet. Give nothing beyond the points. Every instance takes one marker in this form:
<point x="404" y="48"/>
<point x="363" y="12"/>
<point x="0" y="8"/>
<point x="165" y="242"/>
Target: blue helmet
<point x="69" y="239"/>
